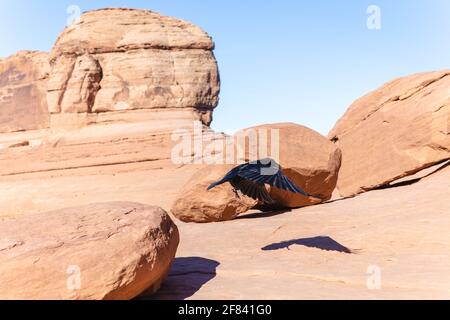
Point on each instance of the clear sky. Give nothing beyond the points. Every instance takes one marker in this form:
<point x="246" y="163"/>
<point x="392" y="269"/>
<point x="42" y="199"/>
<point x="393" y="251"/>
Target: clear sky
<point x="286" y="60"/>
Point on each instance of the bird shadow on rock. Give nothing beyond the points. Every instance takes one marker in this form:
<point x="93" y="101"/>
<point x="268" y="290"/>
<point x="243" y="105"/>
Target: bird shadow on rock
<point x="186" y="277"/>
<point x="322" y="243"/>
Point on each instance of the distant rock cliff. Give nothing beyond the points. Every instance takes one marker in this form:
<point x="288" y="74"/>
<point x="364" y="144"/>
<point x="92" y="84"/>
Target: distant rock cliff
<point x="122" y="59"/>
<point x="114" y="87"/>
<point x="23" y="86"/>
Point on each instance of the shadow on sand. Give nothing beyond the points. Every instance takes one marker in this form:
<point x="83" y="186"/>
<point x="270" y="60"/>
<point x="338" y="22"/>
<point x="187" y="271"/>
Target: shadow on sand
<point x="186" y="277"/>
<point x="322" y="243"/>
<point x="263" y="214"/>
<point x="407" y="182"/>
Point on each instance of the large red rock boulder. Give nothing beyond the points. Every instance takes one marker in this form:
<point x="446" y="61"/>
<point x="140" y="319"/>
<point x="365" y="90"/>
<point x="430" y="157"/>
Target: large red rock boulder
<point x="196" y="204"/>
<point x="395" y="131"/>
<point x="101" y="251"/>
<point x="310" y="160"/>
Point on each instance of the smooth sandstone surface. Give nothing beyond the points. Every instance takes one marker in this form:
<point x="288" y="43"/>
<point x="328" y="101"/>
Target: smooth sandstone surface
<point x="384" y="244"/>
<point x="394" y="131"/>
<point x="153" y="182"/>
<point x="402" y="230"/>
<point x="103" y="251"/>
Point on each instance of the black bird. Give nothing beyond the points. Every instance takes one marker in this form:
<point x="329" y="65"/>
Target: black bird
<point x="251" y="178"/>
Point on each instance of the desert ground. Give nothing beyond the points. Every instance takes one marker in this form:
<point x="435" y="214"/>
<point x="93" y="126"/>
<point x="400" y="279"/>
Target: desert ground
<point x="320" y="252"/>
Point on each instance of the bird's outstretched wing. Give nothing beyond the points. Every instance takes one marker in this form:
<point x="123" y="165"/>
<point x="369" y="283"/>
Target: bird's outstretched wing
<point x="251" y="178"/>
<point x="254" y="190"/>
<point x="263" y="174"/>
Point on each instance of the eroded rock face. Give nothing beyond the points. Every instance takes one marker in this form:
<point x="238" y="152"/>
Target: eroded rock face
<point x="23" y="79"/>
<point x="395" y="131"/>
<point x="197" y="204"/>
<point x="121" y="82"/>
<point x="101" y="251"/>
<point x="74" y="83"/>
<point x="310" y="160"/>
<point x="123" y="59"/>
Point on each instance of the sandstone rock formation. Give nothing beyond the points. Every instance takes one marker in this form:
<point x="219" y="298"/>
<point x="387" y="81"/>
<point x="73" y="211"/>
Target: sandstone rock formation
<point x="395" y="131"/>
<point x="121" y="81"/>
<point x="307" y="158"/>
<point x="196" y="204"/>
<point x="122" y="59"/>
<point x="99" y="128"/>
<point x="100" y="251"/>
<point x="23" y="80"/>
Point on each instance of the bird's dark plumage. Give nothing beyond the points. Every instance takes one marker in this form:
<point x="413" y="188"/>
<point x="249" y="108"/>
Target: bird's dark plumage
<point x="251" y="178"/>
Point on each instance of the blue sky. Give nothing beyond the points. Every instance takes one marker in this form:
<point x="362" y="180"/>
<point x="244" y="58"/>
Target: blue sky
<point x="298" y="61"/>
